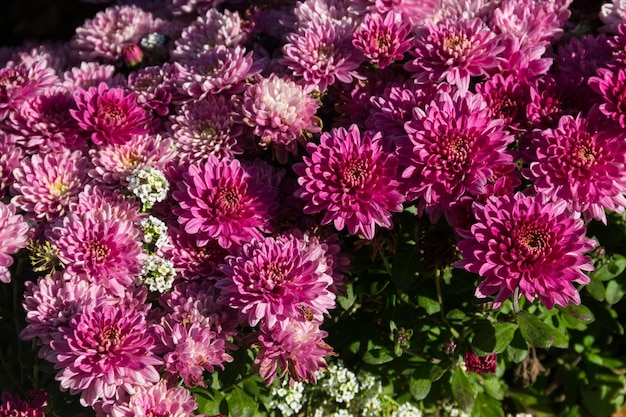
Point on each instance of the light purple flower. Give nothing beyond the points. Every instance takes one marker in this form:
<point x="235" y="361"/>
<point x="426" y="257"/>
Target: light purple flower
<point x="20" y="82"/>
<point x="10" y="158"/>
<point x="610" y="84"/>
<point x="13" y="237"/>
<point x="157" y="400"/>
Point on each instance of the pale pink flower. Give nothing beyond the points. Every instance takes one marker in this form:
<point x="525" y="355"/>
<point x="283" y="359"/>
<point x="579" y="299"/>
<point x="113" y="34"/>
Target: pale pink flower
<point x="13" y="237"/>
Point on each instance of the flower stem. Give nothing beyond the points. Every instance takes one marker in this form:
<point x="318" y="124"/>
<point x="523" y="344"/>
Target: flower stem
<point x="455" y="334"/>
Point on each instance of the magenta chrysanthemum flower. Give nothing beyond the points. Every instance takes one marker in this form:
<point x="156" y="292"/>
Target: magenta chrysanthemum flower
<point x="525" y="62"/>
<point x="157" y="400"/>
<point x="104" y="350"/>
<point x="293" y="346"/>
<point x="455" y="51"/>
<point x="154" y="87"/>
<point x="611" y="85"/>
<point x="13" y="237"/>
<point x="46" y="185"/>
<point x="271" y="279"/>
<point x="455" y="143"/>
<point x="322" y="52"/>
<point x="582" y="57"/>
<point x="10" y="159"/>
<point x="52" y="302"/>
<point x="113" y="163"/>
<point x="383" y="38"/>
<point x="14" y="406"/>
<point x="105" y="249"/>
<point x="280" y="112"/>
<point x="480" y="364"/>
<point x="412" y="11"/>
<point x="217" y="70"/>
<point x="581" y="164"/>
<point x="507" y="98"/>
<point x="44" y="124"/>
<point x="221" y="200"/>
<point x="206" y="127"/>
<point x="20" y="82"/>
<point x="524" y="243"/>
<point x="109" y="115"/>
<point x="96" y="198"/>
<point x="104" y="37"/>
<point x="209" y="31"/>
<point x="351" y="178"/>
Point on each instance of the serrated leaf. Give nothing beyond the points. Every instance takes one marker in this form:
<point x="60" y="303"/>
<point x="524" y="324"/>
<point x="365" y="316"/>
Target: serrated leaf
<point x="463" y="391"/>
<point x="534" y="331"/>
<point x="241" y="404"/>
<point x="494" y="338"/>
<point x="378" y="356"/>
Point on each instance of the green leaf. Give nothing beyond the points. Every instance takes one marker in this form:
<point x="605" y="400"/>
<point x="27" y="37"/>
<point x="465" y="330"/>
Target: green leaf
<point x="596" y="289"/>
<point x="348" y="300"/>
<point x="493" y="338"/>
<point x="611" y="269"/>
<point x="241" y="404"/>
<point x="518" y="349"/>
<point x="487" y="406"/>
<point x="209" y="403"/>
<point x="580" y="312"/>
<point x="534" y="331"/>
<point x="463" y="391"/>
<point x="378" y="356"/>
<point x="614" y="292"/>
<point x="420" y="387"/>
<point x="429" y="304"/>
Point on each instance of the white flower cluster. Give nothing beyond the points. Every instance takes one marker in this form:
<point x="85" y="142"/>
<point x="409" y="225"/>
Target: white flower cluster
<point x="455" y="412"/>
<point x="407" y="410"/>
<point x="519" y="415"/>
<point x="153" y="40"/>
<point x="149" y="185"/>
<point x="154" y="231"/>
<point x="158" y="273"/>
<point x="369" y="399"/>
<point x="289" y="400"/>
<point x="340" y="383"/>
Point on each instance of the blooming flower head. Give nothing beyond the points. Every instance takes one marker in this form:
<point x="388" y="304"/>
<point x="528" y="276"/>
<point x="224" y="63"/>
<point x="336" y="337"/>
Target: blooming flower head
<point x="154" y="87"/>
<point x="581" y="163"/>
<point x="105" y="37"/>
<point x="612" y="14"/>
<point x="383" y="38"/>
<point x="455" y="143"/>
<point x="322" y="52"/>
<point x="46" y="185"/>
<point x="206" y="127"/>
<point x="109" y="115"/>
<point x="291" y="346"/>
<point x="13" y="237"/>
<point x="522" y="242"/>
<point x="480" y="364"/>
<point x="454" y="51"/>
<point x="157" y="400"/>
<point x="351" y="178"/>
<point x="106" y="249"/>
<point x="20" y="82"/>
<point x="280" y="112"/>
<point x="11" y="156"/>
<point x="104" y="350"/>
<point x="14" y="406"/>
<point x="611" y="86"/>
<point x="91" y="74"/>
<point x="412" y="11"/>
<point x="507" y="98"/>
<point x="221" y="200"/>
<point x="582" y="57"/>
<point x="271" y="279"/>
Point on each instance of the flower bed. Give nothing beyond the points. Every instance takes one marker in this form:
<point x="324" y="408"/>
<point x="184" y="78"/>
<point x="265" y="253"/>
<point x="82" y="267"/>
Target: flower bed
<point x="316" y="208"/>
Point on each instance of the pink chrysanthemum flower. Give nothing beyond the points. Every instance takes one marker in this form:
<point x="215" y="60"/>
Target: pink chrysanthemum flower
<point x="217" y="70"/>
<point x="20" y="82"/>
<point x="351" y="178"/>
<point x="221" y="200"/>
<point x="46" y="185"/>
<point x="525" y="62"/>
<point x="113" y="163"/>
<point x="95" y="198"/>
<point x="209" y="31"/>
<point x="292" y="346"/>
<point x="455" y="143"/>
<point x="44" y="124"/>
<point x="105" y="249"/>
<point x="104" y="350"/>
<point x="383" y="38"/>
<point x="322" y="52"/>
<point x="280" y="112"/>
<point x="206" y="127"/>
<point x="191" y="350"/>
<point x="611" y="86"/>
<point x="10" y="158"/>
<point x="13" y="237"/>
<point x="480" y="364"/>
<point x="195" y="7"/>
<point x="581" y="163"/>
<point x="157" y="400"/>
<point x="91" y="74"/>
<point x="14" y="406"/>
<point x="271" y="279"/>
<point x="521" y="242"/>
<point x="455" y="51"/>
<point x="109" y="115"/>
<point x="52" y="302"/>
<point x="612" y="14"/>
<point x="154" y="87"/>
<point x="582" y="57"/>
<point x="507" y="97"/>
<point x="104" y="37"/>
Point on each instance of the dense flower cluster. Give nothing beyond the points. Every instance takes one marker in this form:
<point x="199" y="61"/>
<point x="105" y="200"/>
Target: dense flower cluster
<point x="187" y="173"/>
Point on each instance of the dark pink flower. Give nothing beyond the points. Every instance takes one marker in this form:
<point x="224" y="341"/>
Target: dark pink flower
<point x="581" y="163"/>
<point x="154" y="87"/>
<point x="105" y="350"/>
<point x="292" y="346"/>
<point x="351" y="178"/>
<point x="611" y="86"/>
<point x="109" y="115"/>
<point x="582" y="57"/>
<point x="454" y="145"/>
<point x="522" y="242"/>
<point x="221" y="200"/>
<point x="20" y="82"/>
<point x="14" y="406"/>
<point x="480" y="364"/>
<point x="157" y="400"/>
<point x="13" y="237"/>
<point x="271" y="279"/>
<point x="10" y="158"/>
<point x="383" y="38"/>
<point x="455" y="51"/>
<point x="507" y="98"/>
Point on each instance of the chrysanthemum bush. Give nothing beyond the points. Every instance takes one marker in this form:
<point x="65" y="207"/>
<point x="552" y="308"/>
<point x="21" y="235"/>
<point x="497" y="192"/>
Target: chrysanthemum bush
<point x="316" y="208"/>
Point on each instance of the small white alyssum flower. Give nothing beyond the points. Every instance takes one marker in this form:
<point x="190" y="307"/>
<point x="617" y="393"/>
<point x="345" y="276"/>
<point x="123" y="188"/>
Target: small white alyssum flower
<point x="149" y="185"/>
<point x="289" y="400"/>
<point x="154" y="231"/>
<point x="158" y="273"/>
